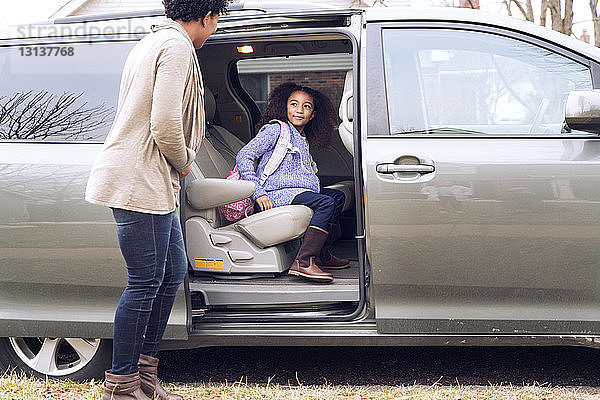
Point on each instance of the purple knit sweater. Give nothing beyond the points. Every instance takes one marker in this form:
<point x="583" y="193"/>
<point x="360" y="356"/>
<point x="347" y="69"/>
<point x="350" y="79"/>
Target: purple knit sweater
<point x="290" y="179"/>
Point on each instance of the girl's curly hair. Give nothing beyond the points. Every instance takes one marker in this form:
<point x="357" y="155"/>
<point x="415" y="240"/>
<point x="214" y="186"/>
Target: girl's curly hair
<point x="193" y="10"/>
<point x="320" y="129"/>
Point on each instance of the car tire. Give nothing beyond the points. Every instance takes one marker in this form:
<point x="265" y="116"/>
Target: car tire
<point x="57" y="358"/>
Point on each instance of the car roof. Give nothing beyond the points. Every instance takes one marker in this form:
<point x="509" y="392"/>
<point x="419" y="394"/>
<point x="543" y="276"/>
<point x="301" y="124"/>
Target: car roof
<point x="240" y="14"/>
<point x="482" y="18"/>
<point x="250" y="12"/>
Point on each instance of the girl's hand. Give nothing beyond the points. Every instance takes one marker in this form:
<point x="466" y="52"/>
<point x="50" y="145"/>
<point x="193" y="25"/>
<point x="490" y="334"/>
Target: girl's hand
<point x="264" y="203"/>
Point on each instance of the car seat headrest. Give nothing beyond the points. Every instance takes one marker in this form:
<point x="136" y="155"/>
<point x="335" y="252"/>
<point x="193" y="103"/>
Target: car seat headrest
<point x="346" y="112"/>
<point x="210" y="105"/>
<point x="346" y="106"/>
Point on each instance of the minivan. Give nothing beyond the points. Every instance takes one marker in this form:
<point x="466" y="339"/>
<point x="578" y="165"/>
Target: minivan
<point x="465" y="150"/>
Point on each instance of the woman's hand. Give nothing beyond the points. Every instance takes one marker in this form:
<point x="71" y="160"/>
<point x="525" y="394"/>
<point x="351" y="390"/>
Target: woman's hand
<point x="264" y="202"/>
<point x="183" y="174"/>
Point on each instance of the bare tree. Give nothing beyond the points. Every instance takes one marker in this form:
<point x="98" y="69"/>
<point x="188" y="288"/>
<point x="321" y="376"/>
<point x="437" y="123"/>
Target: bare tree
<point x="596" y="19"/>
<point x="543" y="12"/>
<point x="363" y="3"/>
<point x="560" y="23"/>
<point x="358" y="3"/>
<point x="507" y="5"/>
<point x="525" y="8"/>
<point x="39" y="116"/>
<point x="474" y="4"/>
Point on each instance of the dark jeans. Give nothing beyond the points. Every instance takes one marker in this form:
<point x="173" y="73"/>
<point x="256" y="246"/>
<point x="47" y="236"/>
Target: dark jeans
<point x="152" y="246"/>
<point x="327" y="206"/>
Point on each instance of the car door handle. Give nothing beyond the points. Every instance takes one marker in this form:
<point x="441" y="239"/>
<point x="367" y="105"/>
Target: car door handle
<point x="392" y="168"/>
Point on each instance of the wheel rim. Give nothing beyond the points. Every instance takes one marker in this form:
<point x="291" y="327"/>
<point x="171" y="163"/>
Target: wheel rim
<point x="55" y="356"/>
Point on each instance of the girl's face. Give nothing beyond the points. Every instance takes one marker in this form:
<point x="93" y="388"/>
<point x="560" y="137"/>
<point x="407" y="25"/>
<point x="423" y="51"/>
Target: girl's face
<point x="300" y="109"/>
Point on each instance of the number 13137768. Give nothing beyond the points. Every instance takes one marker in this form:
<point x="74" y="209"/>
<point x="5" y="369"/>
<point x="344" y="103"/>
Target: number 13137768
<point x="47" y="51"/>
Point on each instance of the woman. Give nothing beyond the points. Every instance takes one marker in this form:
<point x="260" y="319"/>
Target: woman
<point x="311" y="118"/>
<point x="158" y="127"/>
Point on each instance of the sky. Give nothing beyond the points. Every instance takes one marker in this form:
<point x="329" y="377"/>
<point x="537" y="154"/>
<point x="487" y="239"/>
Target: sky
<point x="21" y="11"/>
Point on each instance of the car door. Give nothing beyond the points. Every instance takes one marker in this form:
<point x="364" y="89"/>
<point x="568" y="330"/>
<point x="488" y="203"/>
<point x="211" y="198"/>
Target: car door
<point x="61" y="270"/>
<point x="483" y="207"/>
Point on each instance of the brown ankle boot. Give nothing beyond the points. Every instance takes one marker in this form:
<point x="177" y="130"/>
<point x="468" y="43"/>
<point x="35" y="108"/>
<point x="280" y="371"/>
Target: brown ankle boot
<point x="304" y="266"/>
<point x="328" y="260"/>
<point x="122" y="387"/>
<point x="148" y="367"/>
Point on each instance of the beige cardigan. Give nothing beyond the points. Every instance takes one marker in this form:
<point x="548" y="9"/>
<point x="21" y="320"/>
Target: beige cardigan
<point x="158" y="126"/>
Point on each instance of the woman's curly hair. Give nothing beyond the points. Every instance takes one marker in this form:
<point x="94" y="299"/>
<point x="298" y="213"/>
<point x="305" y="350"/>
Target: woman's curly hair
<point x="319" y="130"/>
<point x="193" y="10"/>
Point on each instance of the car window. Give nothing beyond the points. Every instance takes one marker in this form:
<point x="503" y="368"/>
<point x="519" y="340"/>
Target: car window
<point x="463" y="82"/>
<point x="65" y="92"/>
<point x="324" y="72"/>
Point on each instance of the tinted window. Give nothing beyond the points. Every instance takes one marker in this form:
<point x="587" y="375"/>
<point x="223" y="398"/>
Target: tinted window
<point x="445" y="81"/>
<point x="257" y="86"/>
<point x="66" y="92"/>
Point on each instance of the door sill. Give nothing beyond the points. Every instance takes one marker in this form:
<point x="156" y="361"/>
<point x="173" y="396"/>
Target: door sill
<point x="282" y="290"/>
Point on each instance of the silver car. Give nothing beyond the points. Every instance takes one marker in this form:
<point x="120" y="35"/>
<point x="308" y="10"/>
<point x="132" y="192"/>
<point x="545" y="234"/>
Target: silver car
<point x="472" y="212"/>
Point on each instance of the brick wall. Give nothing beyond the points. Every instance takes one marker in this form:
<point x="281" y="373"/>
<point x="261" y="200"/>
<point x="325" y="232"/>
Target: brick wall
<point x="330" y="83"/>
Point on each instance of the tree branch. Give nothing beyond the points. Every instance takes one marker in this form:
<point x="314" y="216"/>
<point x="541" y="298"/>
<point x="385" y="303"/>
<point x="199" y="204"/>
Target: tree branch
<point x="43" y="115"/>
<point x="521" y="9"/>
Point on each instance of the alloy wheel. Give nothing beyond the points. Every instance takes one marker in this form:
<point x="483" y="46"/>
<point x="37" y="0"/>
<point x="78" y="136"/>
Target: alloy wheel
<point x="55" y="356"/>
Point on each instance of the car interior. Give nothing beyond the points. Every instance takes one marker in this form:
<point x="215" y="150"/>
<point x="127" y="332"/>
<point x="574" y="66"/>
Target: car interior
<point x="241" y="267"/>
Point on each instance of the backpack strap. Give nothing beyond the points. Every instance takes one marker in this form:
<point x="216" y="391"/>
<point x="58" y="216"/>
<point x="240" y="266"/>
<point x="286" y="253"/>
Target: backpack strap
<point x="284" y="144"/>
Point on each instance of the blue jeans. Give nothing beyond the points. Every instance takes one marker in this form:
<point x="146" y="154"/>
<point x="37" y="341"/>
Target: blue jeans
<point x="152" y="246"/>
<point x="327" y="206"/>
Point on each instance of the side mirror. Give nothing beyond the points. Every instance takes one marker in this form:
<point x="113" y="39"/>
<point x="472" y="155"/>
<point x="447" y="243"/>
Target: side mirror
<point x="583" y="110"/>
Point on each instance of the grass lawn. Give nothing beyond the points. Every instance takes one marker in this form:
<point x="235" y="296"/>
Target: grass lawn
<point x="19" y="387"/>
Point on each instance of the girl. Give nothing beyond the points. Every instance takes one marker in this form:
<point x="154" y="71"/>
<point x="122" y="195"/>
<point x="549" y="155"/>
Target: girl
<point x="311" y="118"/>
